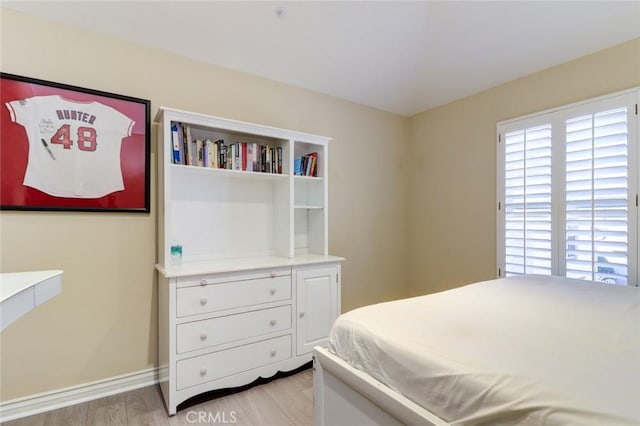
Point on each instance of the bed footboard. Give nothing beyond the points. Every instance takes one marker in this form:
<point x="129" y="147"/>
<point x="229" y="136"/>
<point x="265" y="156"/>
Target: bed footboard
<point x="343" y="395"/>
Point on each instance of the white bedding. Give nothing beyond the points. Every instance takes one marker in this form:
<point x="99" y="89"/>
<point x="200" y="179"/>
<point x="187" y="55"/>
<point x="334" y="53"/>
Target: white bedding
<point x="520" y="350"/>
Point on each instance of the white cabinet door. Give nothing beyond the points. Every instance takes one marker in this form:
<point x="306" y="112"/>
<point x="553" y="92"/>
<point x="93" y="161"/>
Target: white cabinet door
<point x="318" y="305"/>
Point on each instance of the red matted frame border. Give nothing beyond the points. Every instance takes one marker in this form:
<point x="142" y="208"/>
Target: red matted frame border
<point x="14" y="150"/>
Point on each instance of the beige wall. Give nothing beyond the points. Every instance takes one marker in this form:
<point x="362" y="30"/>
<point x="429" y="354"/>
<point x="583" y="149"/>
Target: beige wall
<point x="453" y="164"/>
<point x="104" y="322"/>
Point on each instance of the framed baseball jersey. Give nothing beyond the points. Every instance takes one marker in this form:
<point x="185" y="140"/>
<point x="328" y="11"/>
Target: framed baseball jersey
<point x="69" y="148"/>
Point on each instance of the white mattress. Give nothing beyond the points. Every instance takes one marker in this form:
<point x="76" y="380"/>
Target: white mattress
<point x="520" y="350"/>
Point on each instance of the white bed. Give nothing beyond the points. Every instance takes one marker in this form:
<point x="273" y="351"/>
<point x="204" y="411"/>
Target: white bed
<point x="519" y="350"/>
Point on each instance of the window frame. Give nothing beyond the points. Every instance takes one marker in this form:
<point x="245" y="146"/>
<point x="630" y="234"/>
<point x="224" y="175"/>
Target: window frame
<point x="557" y="118"/>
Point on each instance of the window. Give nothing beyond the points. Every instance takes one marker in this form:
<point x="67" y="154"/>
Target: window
<point x="567" y="192"/>
<point x="527" y="201"/>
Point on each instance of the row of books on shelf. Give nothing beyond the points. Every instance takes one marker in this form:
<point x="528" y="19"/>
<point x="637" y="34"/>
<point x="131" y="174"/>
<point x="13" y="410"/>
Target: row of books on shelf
<point x="306" y="165"/>
<point x="246" y="156"/>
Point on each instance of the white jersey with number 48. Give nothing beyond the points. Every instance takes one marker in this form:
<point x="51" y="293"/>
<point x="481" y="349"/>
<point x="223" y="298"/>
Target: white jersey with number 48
<point x="74" y="147"/>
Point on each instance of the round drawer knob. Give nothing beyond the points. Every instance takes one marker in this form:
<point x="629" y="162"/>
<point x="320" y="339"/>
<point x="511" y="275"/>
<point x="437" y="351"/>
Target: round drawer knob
<point x="273" y="353"/>
<point x="272" y="322"/>
<point x="273" y="274"/>
<point x="301" y="314"/>
<point x="203" y="301"/>
<point x="203" y="336"/>
<point x="272" y="291"/>
<point x="203" y="282"/>
<point x="203" y="371"/>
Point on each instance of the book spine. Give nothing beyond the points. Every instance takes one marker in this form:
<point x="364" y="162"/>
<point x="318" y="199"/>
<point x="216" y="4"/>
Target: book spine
<point x="259" y="159"/>
<point x="181" y="142"/>
<point x="297" y="166"/>
<point x="249" y="157"/>
<point x="219" y="154"/>
<point x="205" y="154"/>
<point x="230" y="156"/>
<point x="255" y="158"/>
<point x="210" y="152"/>
<point x="223" y="154"/>
<point x="186" y="138"/>
<point x="314" y="159"/>
<point x="175" y="138"/>
<point x="199" y="153"/>
<point x="279" y="160"/>
<point x="244" y="156"/>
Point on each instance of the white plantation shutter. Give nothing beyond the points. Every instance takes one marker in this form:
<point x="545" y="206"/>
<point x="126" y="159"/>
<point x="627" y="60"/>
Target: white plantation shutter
<point x="527" y="204"/>
<point x="567" y="192"/>
<point x="597" y="196"/>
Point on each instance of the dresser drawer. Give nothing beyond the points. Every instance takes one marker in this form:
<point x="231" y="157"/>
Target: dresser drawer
<point x="234" y="294"/>
<point x="230" y="328"/>
<point x="202" y="369"/>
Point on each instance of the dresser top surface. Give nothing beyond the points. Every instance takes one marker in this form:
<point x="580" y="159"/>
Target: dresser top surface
<point x="241" y="264"/>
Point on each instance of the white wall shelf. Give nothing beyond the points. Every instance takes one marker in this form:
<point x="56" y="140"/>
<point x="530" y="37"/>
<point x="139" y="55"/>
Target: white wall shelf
<point x="20" y="292"/>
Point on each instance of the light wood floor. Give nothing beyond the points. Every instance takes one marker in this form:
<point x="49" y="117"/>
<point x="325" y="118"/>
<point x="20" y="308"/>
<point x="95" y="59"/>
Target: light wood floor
<point x="283" y="402"/>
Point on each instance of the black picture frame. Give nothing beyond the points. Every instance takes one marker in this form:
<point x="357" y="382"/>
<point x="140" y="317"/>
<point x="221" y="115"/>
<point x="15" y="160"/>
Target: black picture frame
<point x="70" y="148"/>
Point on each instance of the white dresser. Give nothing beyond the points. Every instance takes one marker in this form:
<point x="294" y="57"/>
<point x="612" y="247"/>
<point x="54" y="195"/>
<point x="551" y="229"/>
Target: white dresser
<point x="250" y="288"/>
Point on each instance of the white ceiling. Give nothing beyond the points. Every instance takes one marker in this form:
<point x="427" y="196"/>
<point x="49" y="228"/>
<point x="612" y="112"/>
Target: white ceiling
<point x="403" y="57"/>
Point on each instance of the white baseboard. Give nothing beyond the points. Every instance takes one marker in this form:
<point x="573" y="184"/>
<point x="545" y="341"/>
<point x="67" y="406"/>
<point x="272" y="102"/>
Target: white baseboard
<point x="34" y="404"/>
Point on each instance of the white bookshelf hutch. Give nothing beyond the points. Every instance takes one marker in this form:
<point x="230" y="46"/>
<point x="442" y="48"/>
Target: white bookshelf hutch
<point x="255" y="288"/>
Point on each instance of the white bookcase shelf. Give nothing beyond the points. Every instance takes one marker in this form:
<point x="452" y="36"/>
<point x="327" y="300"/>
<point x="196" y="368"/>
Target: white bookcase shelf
<point x="255" y="287"/>
<point x="215" y="213"/>
<point x="233" y="174"/>
<point x="309" y="178"/>
<point x="308" y="207"/>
